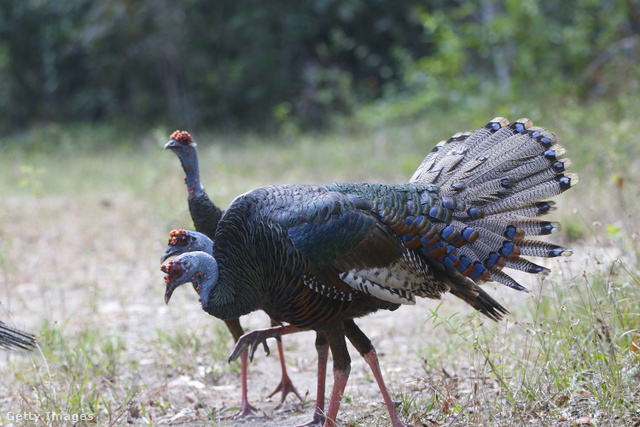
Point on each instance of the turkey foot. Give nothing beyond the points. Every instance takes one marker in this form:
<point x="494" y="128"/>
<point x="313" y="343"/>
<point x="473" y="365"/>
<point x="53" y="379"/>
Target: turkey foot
<point x="285" y="386"/>
<point x="246" y="411"/>
<point x="257" y="337"/>
<point x="318" y="420"/>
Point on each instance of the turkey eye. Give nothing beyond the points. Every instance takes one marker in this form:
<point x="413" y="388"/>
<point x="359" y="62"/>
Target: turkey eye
<point x="175" y="272"/>
<point x="184" y="140"/>
<point x="182" y="241"/>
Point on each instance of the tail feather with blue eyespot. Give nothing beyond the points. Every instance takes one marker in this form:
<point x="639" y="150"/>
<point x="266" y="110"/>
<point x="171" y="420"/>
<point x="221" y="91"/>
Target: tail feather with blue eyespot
<point x="502" y="175"/>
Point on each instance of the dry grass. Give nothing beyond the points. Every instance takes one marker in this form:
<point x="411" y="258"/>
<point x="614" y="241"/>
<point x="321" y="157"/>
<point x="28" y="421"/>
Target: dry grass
<point x="81" y="233"/>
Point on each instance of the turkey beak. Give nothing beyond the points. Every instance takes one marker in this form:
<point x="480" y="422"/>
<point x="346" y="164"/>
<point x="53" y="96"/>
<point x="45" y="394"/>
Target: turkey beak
<point x="167" y="294"/>
<point x="171" y="144"/>
<point x="168" y="254"/>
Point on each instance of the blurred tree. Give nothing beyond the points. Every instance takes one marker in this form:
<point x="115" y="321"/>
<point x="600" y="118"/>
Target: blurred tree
<point x="257" y="63"/>
<point x="569" y="47"/>
<point x="197" y="61"/>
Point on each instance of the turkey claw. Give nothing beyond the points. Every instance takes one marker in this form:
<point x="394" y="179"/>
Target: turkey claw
<point x="253" y="350"/>
<point x="253" y="339"/>
<point x="246" y="411"/>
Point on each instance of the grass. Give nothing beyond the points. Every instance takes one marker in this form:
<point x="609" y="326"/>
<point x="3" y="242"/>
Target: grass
<point x="573" y="355"/>
<point x="83" y="226"/>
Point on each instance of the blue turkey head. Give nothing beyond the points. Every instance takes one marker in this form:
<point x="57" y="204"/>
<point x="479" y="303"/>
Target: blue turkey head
<point x="198" y="267"/>
<point x="180" y="140"/>
<point x="183" y="145"/>
<point x="181" y="241"/>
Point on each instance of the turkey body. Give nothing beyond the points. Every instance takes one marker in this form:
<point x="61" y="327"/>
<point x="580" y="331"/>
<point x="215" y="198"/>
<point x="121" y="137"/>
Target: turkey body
<point x="311" y="255"/>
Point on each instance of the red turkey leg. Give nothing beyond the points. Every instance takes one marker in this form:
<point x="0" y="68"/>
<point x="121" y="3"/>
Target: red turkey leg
<point x="368" y="353"/>
<point x="322" y="347"/>
<point x="246" y="410"/>
<point x="335" y="335"/>
<point x="372" y="360"/>
<point x="285" y="386"/>
<point x="340" y="379"/>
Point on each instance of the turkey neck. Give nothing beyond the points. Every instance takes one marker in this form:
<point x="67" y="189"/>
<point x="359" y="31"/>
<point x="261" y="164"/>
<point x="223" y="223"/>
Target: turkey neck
<point x="239" y="286"/>
<point x="204" y="213"/>
<point x="227" y="299"/>
<point x="189" y="161"/>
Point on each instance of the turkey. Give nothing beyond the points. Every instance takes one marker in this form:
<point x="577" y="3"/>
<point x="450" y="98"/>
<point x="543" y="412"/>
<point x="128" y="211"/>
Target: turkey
<point x="11" y="338"/>
<point x="182" y="241"/>
<point x="205" y="216"/>
<point x="318" y="257"/>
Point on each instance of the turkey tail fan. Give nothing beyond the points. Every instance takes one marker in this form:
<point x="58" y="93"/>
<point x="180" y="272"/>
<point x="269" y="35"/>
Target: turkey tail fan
<point x="502" y="174"/>
<point x="446" y="155"/>
<point x="11" y="338"/>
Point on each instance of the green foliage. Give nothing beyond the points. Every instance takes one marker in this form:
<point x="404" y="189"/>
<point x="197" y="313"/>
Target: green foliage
<point x="32" y="178"/>
<point x="195" y="62"/>
<point x="291" y="66"/>
<point x="514" y="50"/>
